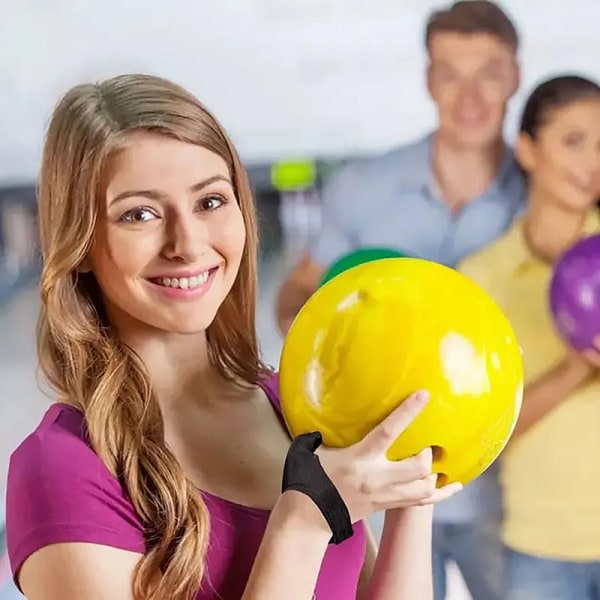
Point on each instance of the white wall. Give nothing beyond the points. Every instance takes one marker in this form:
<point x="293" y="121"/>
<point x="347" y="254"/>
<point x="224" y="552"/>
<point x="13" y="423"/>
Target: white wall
<point x="285" y="76"/>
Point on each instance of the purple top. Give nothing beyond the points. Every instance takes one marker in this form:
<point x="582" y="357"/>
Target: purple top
<point x="60" y="491"/>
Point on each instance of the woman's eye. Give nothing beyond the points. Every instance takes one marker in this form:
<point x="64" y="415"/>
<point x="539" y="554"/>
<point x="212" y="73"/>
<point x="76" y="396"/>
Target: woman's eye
<point x="210" y="203"/>
<point x="138" y="215"/>
<point x="573" y="139"/>
<point x="492" y="74"/>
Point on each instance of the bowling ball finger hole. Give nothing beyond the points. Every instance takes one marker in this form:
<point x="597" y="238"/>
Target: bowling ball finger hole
<point x="438" y="454"/>
<point x="442" y="479"/>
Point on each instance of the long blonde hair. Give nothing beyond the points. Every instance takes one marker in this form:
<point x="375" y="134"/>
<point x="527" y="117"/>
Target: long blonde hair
<point x="79" y="352"/>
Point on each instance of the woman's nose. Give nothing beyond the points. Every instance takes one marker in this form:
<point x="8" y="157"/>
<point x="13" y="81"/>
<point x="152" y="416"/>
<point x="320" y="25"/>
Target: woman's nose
<point x="186" y="239"/>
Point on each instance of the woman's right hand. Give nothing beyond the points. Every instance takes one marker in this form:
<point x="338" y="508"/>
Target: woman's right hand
<point x="369" y="482"/>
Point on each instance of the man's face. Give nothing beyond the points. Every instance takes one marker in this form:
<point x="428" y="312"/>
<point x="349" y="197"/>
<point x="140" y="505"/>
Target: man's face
<point x="470" y="78"/>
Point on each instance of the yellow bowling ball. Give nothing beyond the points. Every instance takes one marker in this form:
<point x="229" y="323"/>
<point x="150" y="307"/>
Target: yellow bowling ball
<point x="378" y="332"/>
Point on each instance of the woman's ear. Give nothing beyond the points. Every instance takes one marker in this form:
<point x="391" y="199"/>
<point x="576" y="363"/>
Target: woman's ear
<point x="525" y="152"/>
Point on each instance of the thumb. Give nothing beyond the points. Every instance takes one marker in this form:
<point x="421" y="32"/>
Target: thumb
<point x="381" y="437"/>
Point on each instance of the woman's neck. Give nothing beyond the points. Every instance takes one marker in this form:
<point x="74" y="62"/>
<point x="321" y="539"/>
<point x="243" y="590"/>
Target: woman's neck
<point x="549" y="229"/>
<point x="178" y="365"/>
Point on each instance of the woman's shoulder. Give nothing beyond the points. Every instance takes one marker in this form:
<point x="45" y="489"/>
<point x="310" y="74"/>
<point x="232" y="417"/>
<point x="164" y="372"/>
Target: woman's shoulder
<point x="58" y="448"/>
<point x="60" y="419"/>
<point x="59" y="490"/>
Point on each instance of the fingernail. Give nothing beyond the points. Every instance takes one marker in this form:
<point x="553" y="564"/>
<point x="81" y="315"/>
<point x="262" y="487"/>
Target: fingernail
<point x="422" y="397"/>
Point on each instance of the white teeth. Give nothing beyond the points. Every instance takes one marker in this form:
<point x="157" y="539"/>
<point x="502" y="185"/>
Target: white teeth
<point x="185" y="283"/>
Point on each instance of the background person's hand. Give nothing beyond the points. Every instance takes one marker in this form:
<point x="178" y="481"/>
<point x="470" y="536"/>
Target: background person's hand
<point x="582" y="365"/>
<point x="369" y="482"/>
<point x="592" y="355"/>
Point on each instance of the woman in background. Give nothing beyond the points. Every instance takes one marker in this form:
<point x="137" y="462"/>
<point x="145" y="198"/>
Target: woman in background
<point x="549" y="474"/>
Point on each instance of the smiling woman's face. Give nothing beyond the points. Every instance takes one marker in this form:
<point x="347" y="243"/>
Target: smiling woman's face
<point x="170" y="235"/>
<point x="563" y="161"/>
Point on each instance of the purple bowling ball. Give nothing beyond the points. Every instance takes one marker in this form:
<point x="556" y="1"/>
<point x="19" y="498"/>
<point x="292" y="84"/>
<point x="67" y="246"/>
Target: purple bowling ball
<point x="575" y="293"/>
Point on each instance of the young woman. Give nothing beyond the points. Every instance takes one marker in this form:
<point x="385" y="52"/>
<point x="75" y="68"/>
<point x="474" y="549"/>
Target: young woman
<point x="159" y="472"/>
<point x="551" y="493"/>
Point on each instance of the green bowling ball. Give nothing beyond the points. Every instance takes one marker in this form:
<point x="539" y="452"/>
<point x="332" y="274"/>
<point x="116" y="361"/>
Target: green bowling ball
<point x="358" y="257"/>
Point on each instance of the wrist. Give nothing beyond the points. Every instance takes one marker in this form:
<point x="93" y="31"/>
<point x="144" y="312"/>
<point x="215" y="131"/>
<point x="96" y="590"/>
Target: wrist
<point x="574" y="371"/>
<point x="402" y="524"/>
<point x="304" y="472"/>
<point x="399" y="516"/>
<point x="297" y="510"/>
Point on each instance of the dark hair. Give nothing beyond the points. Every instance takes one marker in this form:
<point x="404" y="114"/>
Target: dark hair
<point x="551" y="95"/>
<point x="471" y="17"/>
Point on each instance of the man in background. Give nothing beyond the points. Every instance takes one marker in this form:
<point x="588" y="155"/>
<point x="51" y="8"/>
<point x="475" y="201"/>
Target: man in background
<point x="441" y="198"/>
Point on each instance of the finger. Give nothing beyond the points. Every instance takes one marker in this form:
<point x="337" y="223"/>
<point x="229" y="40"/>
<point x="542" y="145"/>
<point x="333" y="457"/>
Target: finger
<point x="408" y="494"/>
<point x="592" y="357"/>
<point x="437" y="495"/>
<point x="443" y="493"/>
<point x="386" y="433"/>
<point x="394" y="472"/>
<point x="386" y="475"/>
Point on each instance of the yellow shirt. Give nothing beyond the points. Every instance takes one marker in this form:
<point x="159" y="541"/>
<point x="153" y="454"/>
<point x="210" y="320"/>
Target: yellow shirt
<point x="550" y="474"/>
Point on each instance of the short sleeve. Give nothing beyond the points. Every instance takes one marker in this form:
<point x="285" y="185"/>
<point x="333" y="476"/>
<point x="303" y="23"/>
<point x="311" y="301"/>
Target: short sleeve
<point x="59" y="491"/>
<point x="270" y="385"/>
<point x="335" y="238"/>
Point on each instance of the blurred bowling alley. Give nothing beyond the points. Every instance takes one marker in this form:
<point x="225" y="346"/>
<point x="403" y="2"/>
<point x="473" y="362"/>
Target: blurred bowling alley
<point x="307" y="90"/>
